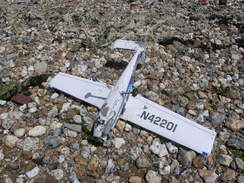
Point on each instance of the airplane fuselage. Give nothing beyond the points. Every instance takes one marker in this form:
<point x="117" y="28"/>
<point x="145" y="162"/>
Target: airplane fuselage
<point x="115" y="103"/>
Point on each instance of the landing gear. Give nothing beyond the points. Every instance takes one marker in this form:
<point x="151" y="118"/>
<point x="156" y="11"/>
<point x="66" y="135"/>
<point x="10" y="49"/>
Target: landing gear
<point x="134" y="92"/>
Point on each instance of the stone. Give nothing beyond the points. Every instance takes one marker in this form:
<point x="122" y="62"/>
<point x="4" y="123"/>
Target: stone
<point x="217" y="118"/>
<point x="237" y="143"/>
<point x="21" y="99"/>
<point x="85" y="152"/>
<point x="165" y="170"/>
<point x="229" y="175"/>
<point x="159" y="149"/>
<point x="58" y="174"/>
<point x="54" y="95"/>
<point x="1" y="155"/>
<point x="235" y="125"/>
<point x="32" y="173"/>
<point x="171" y="148"/>
<point x="135" y="179"/>
<point x="29" y="144"/>
<point x="143" y="161"/>
<point x="209" y="176"/>
<point x="40" y="67"/>
<point x="120" y="125"/>
<point x="118" y="142"/>
<point x="70" y="133"/>
<point x="53" y="112"/>
<point x="93" y="164"/>
<point x="186" y="157"/>
<point x="153" y="177"/>
<point x="77" y="118"/>
<point x="51" y="142"/>
<point x="74" y="127"/>
<point x="240" y="163"/>
<point x="7" y="124"/>
<point x="240" y="179"/>
<point x="37" y="131"/>
<point x="225" y="160"/>
<point x="20" y="132"/>
<point x="10" y="140"/>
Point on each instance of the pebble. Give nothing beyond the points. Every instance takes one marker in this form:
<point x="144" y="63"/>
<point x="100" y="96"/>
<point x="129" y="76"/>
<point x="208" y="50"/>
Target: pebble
<point x="37" y="131"/>
<point x="53" y="112"/>
<point x="153" y="177"/>
<point x="58" y="174"/>
<point x="40" y="67"/>
<point x="229" y="175"/>
<point x="4" y="116"/>
<point x="240" y="179"/>
<point x="29" y="144"/>
<point x="1" y="155"/>
<point x="7" y="124"/>
<point x="209" y="176"/>
<point x="225" y="160"/>
<point x="186" y="157"/>
<point x="32" y="173"/>
<point x="54" y="95"/>
<point x="51" y="142"/>
<point x="70" y="133"/>
<point x="240" y="163"/>
<point x="143" y="161"/>
<point x="165" y="170"/>
<point x="235" y="125"/>
<point x="77" y="118"/>
<point x="217" y="118"/>
<point x="159" y="149"/>
<point x="171" y="148"/>
<point x="237" y="143"/>
<point x="135" y="179"/>
<point x="10" y="140"/>
<point x="85" y="152"/>
<point x="20" y="132"/>
<point x="118" y="142"/>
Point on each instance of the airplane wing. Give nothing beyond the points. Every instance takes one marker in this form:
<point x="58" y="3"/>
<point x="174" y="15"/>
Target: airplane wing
<point x="168" y="124"/>
<point x="92" y="92"/>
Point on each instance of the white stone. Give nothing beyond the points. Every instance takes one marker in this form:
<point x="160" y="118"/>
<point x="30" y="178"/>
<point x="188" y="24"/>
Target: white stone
<point x="23" y="108"/>
<point x="162" y="86"/>
<point x="171" y="148"/>
<point x="165" y="170"/>
<point x="32" y="110"/>
<point x="10" y="140"/>
<point x="37" y="131"/>
<point x="56" y="124"/>
<point x="118" y="142"/>
<point x="32" y="173"/>
<point x="55" y="95"/>
<point x="137" y="84"/>
<point x="153" y="177"/>
<point x="20" y="132"/>
<point x="2" y="102"/>
<point x="4" y="116"/>
<point x="159" y="149"/>
<point x="127" y="127"/>
<point x="77" y="118"/>
<point x="65" y="107"/>
<point x="70" y="133"/>
<point x="1" y="155"/>
<point x="57" y="174"/>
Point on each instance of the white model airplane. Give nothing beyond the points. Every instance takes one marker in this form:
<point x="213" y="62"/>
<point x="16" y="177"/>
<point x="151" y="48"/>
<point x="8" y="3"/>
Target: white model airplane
<point x="121" y="101"/>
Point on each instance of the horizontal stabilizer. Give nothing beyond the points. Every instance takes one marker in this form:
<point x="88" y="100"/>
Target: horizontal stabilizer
<point x="128" y="45"/>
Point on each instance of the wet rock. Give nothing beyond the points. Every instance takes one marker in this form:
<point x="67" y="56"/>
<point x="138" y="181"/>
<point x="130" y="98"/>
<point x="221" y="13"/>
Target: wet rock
<point x="10" y="140"/>
<point x="135" y="179"/>
<point x="229" y="175"/>
<point x="224" y="160"/>
<point x="153" y="177"/>
<point x="51" y="142"/>
<point x="37" y="131"/>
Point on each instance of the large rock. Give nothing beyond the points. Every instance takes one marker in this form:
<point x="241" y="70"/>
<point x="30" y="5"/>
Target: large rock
<point x="209" y="176"/>
<point x="237" y="143"/>
<point x="240" y="163"/>
<point x="224" y="159"/>
<point x="235" y="125"/>
<point x="229" y="175"/>
<point x="135" y="179"/>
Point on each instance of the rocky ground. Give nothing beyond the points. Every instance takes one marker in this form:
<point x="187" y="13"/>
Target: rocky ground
<point x="194" y="66"/>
